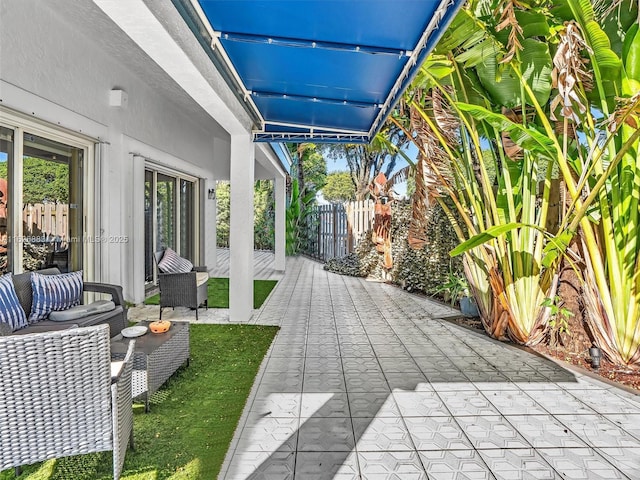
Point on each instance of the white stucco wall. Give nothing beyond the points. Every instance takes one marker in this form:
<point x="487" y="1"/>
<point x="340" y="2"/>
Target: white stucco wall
<point x="58" y="71"/>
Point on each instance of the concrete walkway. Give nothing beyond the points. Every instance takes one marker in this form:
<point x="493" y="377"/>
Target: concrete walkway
<point x="364" y="381"/>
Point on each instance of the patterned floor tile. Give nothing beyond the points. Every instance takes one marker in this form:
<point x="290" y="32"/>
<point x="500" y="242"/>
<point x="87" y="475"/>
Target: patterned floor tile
<point x="324" y="405"/>
<point x="606" y="401"/>
<point x="278" y="405"/>
<point x="277" y="383"/>
<point x="322" y="350"/>
<point x="438" y="363"/>
<point x="393" y="365"/>
<point x="408" y="381"/>
<point x="466" y="402"/>
<point x="353" y="338"/>
<point x="283" y="365"/>
<point x="366" y="382"/>
<point x="331" y="434"/>
<point x="455" y="465"/>
<point x="289" y="351"/>
<point x="327" y="466"/>
<point x="491" y="432"/>
<point x="330" y="339"/>
<point x="559" y="402"/>
<point x="490" y="381"/>
<point x="390" y="350"/>
<point x="514" y="402"/>
<point x="319" y="368"/>
<point x="582" y="383"/>
<point x="518" y="464"/>
<point x="391" y="466"/>
<point x="543" y="431"/>
<point x="449" y="382"/>
<point x="384" y="339"/>
<point x="356" y="350"/>
<point x="418" y="351"/>
<point x="597" y="431"/>
<point x="630" y="423"/>
<point x="269" y="435"/>
<point x="580" y="464"/>
<point x="262" y="466"/>
<point x="373" y="404"/>
<point x="627" y="460"/>
<point x="381" y="434"/>
<point x="436" y="433"/>
<point x="333" y="326"/>
<point x="324" y="382"/>
<point x="420" y="404"/>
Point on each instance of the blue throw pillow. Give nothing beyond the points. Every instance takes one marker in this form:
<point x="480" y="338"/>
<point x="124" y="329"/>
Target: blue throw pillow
<point x="11" y="312"/>
<point x="52" y="293"/>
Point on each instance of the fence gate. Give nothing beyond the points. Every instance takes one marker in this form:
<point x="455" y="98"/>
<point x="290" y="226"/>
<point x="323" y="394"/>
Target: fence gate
<point x="334" y="230"/>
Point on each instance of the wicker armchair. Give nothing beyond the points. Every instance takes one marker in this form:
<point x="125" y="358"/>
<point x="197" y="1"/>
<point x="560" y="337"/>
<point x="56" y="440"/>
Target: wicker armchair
<point x="58" y="397"/>
<point x="182" y="289"/>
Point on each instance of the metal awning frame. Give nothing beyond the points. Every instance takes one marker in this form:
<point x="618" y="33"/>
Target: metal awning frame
<point x="440" y="20"/>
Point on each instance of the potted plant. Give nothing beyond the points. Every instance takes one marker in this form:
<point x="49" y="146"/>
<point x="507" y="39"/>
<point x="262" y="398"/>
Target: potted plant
<point x="456" y="290"/>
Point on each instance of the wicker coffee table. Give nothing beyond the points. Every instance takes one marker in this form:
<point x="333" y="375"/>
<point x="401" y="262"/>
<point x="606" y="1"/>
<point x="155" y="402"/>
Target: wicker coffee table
<point x="157" y="356"/>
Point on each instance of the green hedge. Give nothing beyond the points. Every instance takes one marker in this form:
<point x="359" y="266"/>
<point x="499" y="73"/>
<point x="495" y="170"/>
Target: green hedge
<point x="415" y="270"/>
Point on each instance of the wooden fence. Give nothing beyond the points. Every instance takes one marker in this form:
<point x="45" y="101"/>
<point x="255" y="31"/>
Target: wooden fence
<point x="335" y="230"/>
<point x="49" y="219"/>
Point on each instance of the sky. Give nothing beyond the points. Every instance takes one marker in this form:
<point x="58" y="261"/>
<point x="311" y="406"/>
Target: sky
<point x="340" y="165"/>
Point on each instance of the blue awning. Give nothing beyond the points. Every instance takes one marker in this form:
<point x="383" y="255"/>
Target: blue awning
<point x="322" y="70"/>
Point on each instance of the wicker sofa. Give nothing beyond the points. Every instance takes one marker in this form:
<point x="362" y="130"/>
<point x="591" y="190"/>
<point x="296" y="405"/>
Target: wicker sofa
<point x="116" y="318"/>
<point x="61" y="395"/>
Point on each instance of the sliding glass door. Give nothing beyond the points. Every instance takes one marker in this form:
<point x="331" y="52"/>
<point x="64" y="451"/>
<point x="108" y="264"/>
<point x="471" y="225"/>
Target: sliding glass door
<point x="170" y="216"/>
<point x="41" y="201"/>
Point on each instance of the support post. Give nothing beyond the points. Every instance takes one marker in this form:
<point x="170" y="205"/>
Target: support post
<point x="242" y="172"/>
<point x="280" y="226"/>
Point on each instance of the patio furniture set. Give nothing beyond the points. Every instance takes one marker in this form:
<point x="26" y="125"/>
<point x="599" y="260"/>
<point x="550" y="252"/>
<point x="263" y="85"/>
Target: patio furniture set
<point x="67" y="383"/>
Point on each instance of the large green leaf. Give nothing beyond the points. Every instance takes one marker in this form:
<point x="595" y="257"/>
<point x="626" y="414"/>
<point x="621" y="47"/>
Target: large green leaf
<point x="527" y="137"/>
<point x="608" y="62"/>
<point x="484" y="237"/>
<point x="536" y="69"/>
<point x="463" y="28"/>
<point x="533" y="24"/>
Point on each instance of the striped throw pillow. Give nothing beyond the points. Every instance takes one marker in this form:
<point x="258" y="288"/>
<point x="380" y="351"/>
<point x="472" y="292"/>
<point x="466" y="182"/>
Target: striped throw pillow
<point x="11" y="312"/>
<point x="52" y="293"/>
<point x="171" y="262"/>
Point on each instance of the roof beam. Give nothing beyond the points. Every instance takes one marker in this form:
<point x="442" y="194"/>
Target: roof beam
<point x="305" y="137"/>
<point x="302" y="43"/>
<point x="305" y="98"/>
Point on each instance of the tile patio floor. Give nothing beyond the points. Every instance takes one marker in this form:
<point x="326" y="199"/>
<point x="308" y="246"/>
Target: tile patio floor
<point x="364" y="381"/>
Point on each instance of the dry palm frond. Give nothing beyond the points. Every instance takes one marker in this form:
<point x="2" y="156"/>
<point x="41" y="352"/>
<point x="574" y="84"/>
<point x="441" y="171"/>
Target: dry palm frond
<point x="417" y="235"/>
<point x="428" y="183"/>
<point x="435" y="157"/>
<point x="508" y="20"/>
<point x="627" y="111"/>
<point x="447" y="122"/>
<point x="512" y="150"/>
<point x="604" y="8"/>
<point x="569" y="73"/>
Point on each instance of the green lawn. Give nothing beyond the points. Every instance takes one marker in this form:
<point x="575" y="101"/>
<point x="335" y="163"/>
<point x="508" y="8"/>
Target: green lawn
<point x="218" y="293"/>
<point x="192" y="418"/>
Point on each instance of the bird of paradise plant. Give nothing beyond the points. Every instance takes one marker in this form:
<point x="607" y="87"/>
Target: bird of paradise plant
<point x="509" y="141"/>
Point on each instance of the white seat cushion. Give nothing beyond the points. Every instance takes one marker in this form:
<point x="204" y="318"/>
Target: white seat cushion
<point x="80" y="311"/>
<point x="201" y="277"/>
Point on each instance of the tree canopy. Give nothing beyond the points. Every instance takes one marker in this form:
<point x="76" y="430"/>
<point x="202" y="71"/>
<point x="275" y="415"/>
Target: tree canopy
<point x="44" y="180"/>
<point x="339" y="188"/>
<point x="367" y="161"/>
